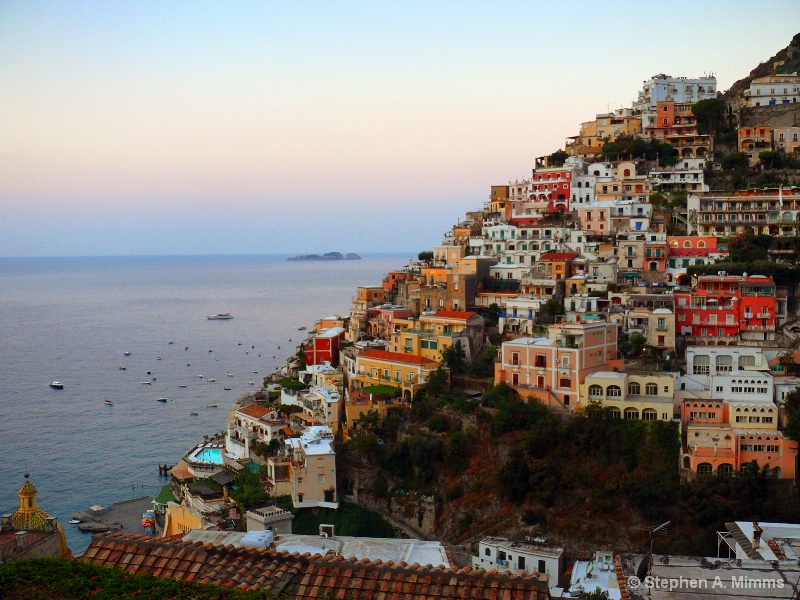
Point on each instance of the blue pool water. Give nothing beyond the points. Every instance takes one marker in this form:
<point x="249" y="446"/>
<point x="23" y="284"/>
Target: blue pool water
<point x="210" y="455"/>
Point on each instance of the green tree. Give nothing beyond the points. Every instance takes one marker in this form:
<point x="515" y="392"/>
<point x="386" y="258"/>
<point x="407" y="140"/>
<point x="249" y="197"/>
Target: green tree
<point x="771" y="159"/>
<point x="455" y="358"/>
<point x="438" y="382"/>
<point x="557" y="158"/>
<point x="554" y="307"/>
<point x="711" y="115"/>
<point x="792" y="409"/>
<point x="425" y="256"/>
<point x="492" y="315"/>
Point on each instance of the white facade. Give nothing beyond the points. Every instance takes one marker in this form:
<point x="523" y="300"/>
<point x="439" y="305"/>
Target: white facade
<point x="520" y="314"/>
<point x="784" y="386"/>
<point x="505" y="555"/>
<point x="702" y="362"/>
<point x="773" y="90"/>
<point x="743" y="386"/>
<point x="690" y="179"/>
<point x="680" y="90"/>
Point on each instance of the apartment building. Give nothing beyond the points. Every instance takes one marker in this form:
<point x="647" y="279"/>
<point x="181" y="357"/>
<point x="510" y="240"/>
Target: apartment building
<point x="637" y="395"/>
<point x="530" y="556"/>
<point x="253" y="424"/>
<point x="553" y="368"/>
<point x="781" y="88"/>
<point x="405" y="371"/>
<point x="754" y="140"/>
<point x="769" y="211"/>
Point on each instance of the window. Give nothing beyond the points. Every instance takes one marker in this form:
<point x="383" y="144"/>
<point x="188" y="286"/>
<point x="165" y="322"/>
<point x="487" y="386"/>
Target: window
<point x="700" y="365"/>
<point x="724" y="364"/>
<point x="488" y="552"/>
<point x="542" y="566"/>
<point x="320" y="478"/>
<point x="746" y="361"/>
<point x="614" y="391"/>
<point x="595" y="391"/>
<point x="651" y="389"/>
<point x="634" y="389"/>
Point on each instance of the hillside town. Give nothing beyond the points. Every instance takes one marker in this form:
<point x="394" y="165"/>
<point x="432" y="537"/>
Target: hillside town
<point x="618" y="280"/>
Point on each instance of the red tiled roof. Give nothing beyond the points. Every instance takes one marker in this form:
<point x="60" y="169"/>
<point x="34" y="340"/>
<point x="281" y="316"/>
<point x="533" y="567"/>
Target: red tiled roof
<point x="558" y="255"/>
<point x="254" y="410"/>
<point x="454" y="314"/>
<point x="303" y="576"/>
<point x="398" y="357"/>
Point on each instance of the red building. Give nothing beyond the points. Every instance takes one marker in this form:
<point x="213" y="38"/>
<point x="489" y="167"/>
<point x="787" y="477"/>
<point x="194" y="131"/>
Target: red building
<point x="324" y="347"/>
<point x="553" y="185"/>
<point x="730" y="306"/>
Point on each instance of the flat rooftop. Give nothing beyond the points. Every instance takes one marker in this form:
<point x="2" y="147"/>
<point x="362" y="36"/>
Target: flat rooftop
<point x="408" y="550"/>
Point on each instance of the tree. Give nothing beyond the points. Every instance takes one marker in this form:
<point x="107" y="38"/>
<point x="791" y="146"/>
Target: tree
<point x="710" y="114"/>
<point x="492" y="315"/>
<point x="554" y="307"/>
<point x="455" y="358"/>
<point x="438" y="382"/>
<point x="557" y="158"/>
<point x="425" y="256"/>
<point x="771" y="159"/>
<point x="597" y="594"/>
<point x="792" y="409"/>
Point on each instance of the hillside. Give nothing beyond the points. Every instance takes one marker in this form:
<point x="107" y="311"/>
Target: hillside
<point x="784" y="61"/>
<point x="513" y="468"/>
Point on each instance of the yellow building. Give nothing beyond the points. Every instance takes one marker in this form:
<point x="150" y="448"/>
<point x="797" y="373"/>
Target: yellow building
<point x="404" y="371"/>
<point x="430" y="335"/>
<point x="360" y="403"/>
<point x="647" y="395"/>
<point x="30" y="532"/>
<point x="605" y="128"/>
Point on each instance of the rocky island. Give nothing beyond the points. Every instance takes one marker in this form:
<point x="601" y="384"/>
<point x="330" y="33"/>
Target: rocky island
<point x="327" y="256"/>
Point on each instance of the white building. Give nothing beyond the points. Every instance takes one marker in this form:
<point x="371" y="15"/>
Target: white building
<point x="741" y="386"/>
<point x="773" y="89"/>
<point x="599" y="572"/>
<point x="313" y="468"/>
<point x="702" y="362"/>
<point x="681" y="90"/>
<point x="521" y="315"/>
<point x="533" y="556"/>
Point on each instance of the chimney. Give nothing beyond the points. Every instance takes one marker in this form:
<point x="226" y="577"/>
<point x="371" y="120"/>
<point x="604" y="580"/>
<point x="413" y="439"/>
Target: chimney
<point x="757" y="531"/>
<point x="5" y="522"/>
<point x="326" y="531"/>
<point x="51" y="524"/>
<point x="21" y="540"/>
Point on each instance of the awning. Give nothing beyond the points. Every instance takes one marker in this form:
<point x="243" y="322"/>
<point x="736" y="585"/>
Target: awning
<point x="181" y="471"/>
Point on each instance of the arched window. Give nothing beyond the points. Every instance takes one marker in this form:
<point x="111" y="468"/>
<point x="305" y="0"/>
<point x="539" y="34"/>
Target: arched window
<point x="595" y="391"/>
<point x="724" y="364"/>
<point x="631" y="413"/>
<point x="654" y="266"/>
<point x="725" y="469"/>
<point x="626" y="173"/>
<point x="648" y="414"/>
<point x="705" y="469"/>
<point x="651" y="389"/>
<point x="613" y="413"/>
<point x="674" y="243"/>
<point x="702" y="244"/>
<point x="687" y="244"/>
<point x="614" y="391"/>
<point x="634" y="389"/>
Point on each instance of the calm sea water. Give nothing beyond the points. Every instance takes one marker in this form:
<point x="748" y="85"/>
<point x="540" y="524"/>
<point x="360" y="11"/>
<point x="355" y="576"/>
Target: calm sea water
<point x="72" y="319"/>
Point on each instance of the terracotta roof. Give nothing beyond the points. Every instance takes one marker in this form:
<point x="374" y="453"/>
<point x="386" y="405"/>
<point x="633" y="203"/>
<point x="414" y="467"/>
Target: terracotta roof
<point x="454" y="314"/>
<point x="398" y="357"/>
<point x="254" y="410"/>
<point x="558" y="255"/>
<point x="303" y="576"/>
<point x="181" y="471"/>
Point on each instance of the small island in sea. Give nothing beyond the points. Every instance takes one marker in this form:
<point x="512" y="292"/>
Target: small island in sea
<point x="327" y="256"/>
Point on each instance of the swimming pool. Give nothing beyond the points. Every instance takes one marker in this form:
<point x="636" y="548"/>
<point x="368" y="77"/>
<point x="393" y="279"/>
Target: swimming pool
<point x="208" y="455"/>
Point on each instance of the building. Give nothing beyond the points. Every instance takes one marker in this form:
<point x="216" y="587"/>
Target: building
<point x="366" y="297"/>
<point x="730" y="308"/>
<point x="30" y="532"/>
<point x="772" y="90"/>
<point x="770" y="211"/>
<point x="324" y="347"/>
<point x="311" y="462"/>
<point x="509" y="556"/>
<point x="638" y="395"/>
<point x="754" y="140"/>
<point x="407" y="372"/>
<point x="520" y="315"/>
<point x="665" y="88"/>
<point x="785" y="139"/>
<point x="657" y="325"/>
<point x="276" y="519"/>
<point x="250" y="425"/>
<point x="552" y="369"/>
<point x="360" y="403"/>
<point x="305" y="575"/>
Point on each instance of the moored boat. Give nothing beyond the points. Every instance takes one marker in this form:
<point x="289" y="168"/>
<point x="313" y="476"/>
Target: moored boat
<point x="162" y="399"/>
<point x="108" y="402"/>
<point x="219" y="316"/>
<point x="57" y="385"/>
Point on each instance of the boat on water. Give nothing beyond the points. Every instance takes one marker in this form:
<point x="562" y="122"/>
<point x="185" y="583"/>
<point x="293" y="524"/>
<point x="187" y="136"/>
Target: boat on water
<point x="108" y="402"/>
<point x="57" y="385"/>
<point x="126" y="353"/>
<point x="229" y="374"/>
<point x="182" y="385"/>
<point x="75" y="521"/>
<point x="194" y="414"/>
<point x="228" y="389"/>
<point x="251" y="383"/>
<point x="211" y="380"/>
<point x="171" y="343"/>
<point x="219" y="316"/>
<point x="146" y="382"/>
<point x="212" y="405"/>
<point x="301" y="329"/>
<point x="123" y="368"/>
<point x="162" y="399"/>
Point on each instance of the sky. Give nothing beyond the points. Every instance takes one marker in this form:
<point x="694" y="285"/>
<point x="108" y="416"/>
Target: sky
<point x="132" y="128"/>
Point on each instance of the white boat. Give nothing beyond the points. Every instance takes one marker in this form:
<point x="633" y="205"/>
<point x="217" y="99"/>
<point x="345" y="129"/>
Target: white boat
<point x="229" y="374"/>
<point x="228" y="389"/>
<point x="251" y="383"/>
<point x="146" y="382"/>
<point x="122" y="368"/>
<point x="182" y="385"/>
<point x="127" y="353"/>
<point x="109" y="402"/>
<point x="301" y="329"/>
<point x="219" y="316"/>
<point x="75" y="521"/>
<point x="57" y="385"/>
<point x="162" y="399"/>
<point x="211" y="380"/>
<point x="211" y="405"/>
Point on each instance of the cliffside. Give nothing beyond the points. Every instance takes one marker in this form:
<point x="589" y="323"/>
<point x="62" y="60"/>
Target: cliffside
<point x="784" y="61"/>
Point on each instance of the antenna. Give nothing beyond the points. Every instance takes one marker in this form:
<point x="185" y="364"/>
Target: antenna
<point x="659" y="530"/>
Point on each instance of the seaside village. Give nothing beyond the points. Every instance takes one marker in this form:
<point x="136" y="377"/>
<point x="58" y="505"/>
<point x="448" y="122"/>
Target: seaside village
<point x="589" y="289"/>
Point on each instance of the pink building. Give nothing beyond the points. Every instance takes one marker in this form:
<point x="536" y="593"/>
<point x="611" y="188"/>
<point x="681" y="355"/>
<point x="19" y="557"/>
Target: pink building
<point x="381" y="320"/>
<point x="552" y="369"/>
<point x="596" y="219"/>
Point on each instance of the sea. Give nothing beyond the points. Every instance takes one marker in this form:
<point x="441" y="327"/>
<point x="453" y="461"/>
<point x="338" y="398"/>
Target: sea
<point x="73" y="319"/>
